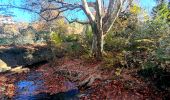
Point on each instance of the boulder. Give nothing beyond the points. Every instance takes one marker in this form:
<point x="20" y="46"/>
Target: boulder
<point x="25" y="55"/>
<point x="3" y="66"/>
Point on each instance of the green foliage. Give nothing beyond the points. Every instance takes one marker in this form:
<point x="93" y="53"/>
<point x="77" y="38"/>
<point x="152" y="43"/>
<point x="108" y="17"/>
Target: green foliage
<point x="74" y="49"/>
<point x="108" y="61"/>
<point x="149" y="65"/>
<point x="41" y="36"/>
<point x="162" y="55"/>
<point x="113" y="42"/>
<point x="71" y="44"/>
<point x="135" y="9"/>
<point x="114" y="60"/>
<point x="152" y="71"/>
<point x="88" y="36"/>
<point x="162" y="12"/>
<point x="142" y="45"/>
<point x="55" y="38"/>
<point x="70" y="38"/>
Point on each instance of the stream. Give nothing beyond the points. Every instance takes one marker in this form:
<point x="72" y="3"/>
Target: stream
<point x="30" y="89"/>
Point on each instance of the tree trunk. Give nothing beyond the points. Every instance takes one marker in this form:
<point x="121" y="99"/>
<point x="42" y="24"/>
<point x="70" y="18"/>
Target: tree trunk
<point x="97" y="45"/>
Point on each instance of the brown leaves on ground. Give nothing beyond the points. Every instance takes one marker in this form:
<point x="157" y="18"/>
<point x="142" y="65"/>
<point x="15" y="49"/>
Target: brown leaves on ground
<point x="6" y="88"/>
<point x="116" y="90"/>
<point x="126" y="86"/>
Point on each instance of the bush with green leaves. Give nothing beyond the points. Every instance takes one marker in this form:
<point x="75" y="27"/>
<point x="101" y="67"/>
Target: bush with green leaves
<point x="115" y="43"/>
<point x="68" y="44"/>
<point x="55" y="38"/>
<point x="70" y="37"/>
<point x="88" y="36"/>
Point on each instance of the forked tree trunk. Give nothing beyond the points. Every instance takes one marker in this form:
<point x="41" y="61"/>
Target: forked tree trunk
<point x="97" y="44"/>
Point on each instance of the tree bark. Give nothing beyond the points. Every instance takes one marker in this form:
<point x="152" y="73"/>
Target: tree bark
<point x="97" y="44"/>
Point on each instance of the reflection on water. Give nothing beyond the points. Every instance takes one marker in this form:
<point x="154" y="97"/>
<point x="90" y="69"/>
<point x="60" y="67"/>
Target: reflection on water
<point x="27" y="90"/>
<point x="69" y="95"/>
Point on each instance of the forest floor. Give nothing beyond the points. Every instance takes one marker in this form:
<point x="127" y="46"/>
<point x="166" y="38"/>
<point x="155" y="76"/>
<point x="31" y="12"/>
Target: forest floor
<point x="102" y="84"/>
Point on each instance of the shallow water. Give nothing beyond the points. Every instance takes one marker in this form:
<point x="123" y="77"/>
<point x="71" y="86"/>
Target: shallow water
<point x="28" y="88"/>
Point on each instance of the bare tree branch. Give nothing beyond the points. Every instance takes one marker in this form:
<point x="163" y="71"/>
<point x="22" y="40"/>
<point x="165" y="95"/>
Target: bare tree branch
<point x="27" y="9"/>
<point x="112" y="14"/>
<point x="99" y="15"/>
<point x="31" y="10"/>
<point x="77" y="21"/>
<point x="87" y="11"/>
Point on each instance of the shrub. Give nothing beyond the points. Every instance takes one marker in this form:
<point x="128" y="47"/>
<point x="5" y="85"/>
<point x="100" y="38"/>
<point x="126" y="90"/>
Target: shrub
<point x="75" y="49"/>
<point x="88" y="37"/>
<point x="55" y="38"/>
<point x="114" y="60"/>
<point x="70" y="38"/>
<point x="115" y="43"/>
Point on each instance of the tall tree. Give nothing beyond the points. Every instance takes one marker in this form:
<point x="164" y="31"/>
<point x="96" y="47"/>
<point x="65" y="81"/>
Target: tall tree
<point x="101" y="15"/>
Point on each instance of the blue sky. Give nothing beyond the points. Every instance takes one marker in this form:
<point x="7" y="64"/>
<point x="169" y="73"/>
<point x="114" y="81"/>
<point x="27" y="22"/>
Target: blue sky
<point x="21" y="15"/>
<point x="147" y="4"/>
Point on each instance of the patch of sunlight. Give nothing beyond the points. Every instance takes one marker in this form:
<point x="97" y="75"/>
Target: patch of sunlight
<point x="145" y="40"/>
<point x="118" y="71"/>
<point x="19" y="69"/>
